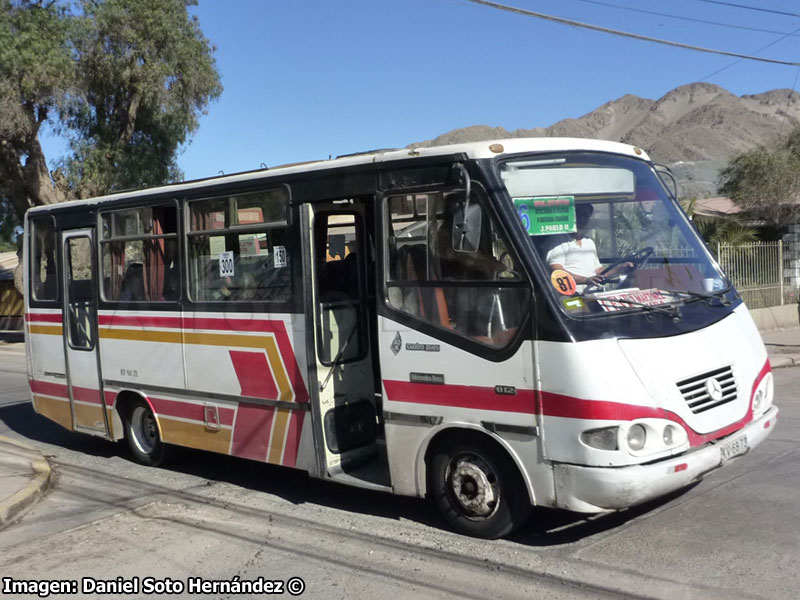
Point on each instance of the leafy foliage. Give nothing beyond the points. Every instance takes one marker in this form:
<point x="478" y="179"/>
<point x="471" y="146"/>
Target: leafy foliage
<point x="766" y="181"/>
<point x="720" y="230"/>
<point x="124" y="80"/>
<point x="146" y="73"/>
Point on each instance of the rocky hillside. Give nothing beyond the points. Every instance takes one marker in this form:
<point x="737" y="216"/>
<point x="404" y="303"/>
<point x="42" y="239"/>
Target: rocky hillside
<point x="694" y="128"/>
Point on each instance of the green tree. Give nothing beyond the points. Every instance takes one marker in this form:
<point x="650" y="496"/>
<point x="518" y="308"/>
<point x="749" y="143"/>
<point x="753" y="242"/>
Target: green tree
<point x="719" y="230"/>
<point x="125" y="81"/>
<point x="765" y="181"/>
<point x="9" y="228"/>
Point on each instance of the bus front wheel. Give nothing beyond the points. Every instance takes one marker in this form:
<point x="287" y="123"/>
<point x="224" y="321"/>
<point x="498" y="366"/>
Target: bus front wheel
<point x="477" y="489"/>
<point x="141" y="432"/>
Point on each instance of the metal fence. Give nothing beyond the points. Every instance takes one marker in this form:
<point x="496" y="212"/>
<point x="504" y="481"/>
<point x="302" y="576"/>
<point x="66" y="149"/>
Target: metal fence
<point x="765" y="273"/>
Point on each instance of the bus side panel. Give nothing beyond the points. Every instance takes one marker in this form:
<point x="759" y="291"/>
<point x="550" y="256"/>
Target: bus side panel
<point x="138" y="349"/>
<point x="495" y="399"/>
<point x="47" y="371"/>
<point x="194" y="370"/>
<point x="254" y="356"/>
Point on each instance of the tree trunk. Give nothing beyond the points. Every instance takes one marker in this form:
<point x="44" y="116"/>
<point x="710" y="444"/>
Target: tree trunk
<point x="18" y="276"/>
<point x="39" y="186"/>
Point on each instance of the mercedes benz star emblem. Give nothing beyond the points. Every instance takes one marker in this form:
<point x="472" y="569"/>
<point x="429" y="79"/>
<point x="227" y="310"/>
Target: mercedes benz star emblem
<point x="714" y="389"/>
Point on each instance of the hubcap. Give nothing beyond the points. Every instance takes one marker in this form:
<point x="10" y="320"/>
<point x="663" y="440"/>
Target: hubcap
<point x="473" y="483"/>
<point x="145" y="432"/>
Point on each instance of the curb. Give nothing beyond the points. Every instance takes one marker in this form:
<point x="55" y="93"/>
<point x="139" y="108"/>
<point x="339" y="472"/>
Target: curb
<point x="15" y="504"/>
<point x="786" y="360"/>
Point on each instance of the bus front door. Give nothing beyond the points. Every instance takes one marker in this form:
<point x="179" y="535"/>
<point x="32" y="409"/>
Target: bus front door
<point x="339" y="318"/>
<point x="80" y="334"/>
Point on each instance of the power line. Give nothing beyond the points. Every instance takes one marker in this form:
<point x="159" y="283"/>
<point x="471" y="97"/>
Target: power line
<point x="746" y="7"/>
<point x="634" y="36"/>
<point x="736" y="62"/>
<point x="680" y="18"/>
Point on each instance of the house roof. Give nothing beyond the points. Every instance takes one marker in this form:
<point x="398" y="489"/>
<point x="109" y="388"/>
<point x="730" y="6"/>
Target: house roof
<point x="8" y="264"/>
<point x="716" y="207"/>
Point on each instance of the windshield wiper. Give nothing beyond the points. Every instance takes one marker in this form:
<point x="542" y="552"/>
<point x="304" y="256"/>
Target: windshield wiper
<point x="669" y="310"/>
<point x="720" y="296"/>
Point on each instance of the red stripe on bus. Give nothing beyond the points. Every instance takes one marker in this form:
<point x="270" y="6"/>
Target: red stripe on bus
<point x="139" y="321"/>
<point x="570" y="407"/>
<point x="254" y="374"/>
<point x="88" y="395"/>
<point x="43" y="318"/>
<point x="59" y="390"/>
<point x="49" y="388"/>
<point x="251" y="432"/>
<point x="461" y="396"/>
<point x="553" y="405"/>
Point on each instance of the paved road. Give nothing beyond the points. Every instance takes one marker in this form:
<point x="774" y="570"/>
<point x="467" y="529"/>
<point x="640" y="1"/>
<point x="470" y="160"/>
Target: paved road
<point x="735" y="535"/>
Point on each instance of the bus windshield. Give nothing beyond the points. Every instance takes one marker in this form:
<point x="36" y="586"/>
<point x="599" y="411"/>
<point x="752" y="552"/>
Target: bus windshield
<point x="609" y="234"/>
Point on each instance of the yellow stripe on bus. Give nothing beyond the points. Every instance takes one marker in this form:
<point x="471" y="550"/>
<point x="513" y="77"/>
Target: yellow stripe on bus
<point x="281" y="420"/>
<point x="167" y="337"/>
<point x="55" y="410"/>
<point x="89" y="416"/>
<point x="195" y="435"/>
<point x="46" y="329"/>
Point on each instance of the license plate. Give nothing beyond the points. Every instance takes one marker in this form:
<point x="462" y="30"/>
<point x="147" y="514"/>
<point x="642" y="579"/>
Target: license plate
<point x="734" y="448"/>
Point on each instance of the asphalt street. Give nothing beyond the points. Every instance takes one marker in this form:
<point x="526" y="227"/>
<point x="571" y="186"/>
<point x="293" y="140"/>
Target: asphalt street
<point x="734" y="535"/>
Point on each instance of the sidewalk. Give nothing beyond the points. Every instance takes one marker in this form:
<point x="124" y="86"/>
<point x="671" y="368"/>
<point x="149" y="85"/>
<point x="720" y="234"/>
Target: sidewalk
<point x="783" y="347"/>
<point x="24" y="476"/>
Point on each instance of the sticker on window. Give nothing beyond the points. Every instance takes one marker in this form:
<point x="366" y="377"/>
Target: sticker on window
<point x="563" y="281"/>
<point x="226" y="265"/>
<point x="280" y="257"/>
<point x="613" y="301"/>
<point x="547" y="216"/>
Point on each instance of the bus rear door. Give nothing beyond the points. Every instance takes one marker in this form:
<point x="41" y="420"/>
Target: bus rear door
<point x="80" y="333"/>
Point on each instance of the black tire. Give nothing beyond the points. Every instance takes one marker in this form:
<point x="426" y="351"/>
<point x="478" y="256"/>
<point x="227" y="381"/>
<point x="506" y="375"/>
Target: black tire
<point x="141" y="433"/>
<point x="477" y="488"/>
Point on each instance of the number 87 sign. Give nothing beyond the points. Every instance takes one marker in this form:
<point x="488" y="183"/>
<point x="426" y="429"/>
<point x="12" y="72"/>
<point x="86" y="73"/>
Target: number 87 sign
<point x="564" y="282"/>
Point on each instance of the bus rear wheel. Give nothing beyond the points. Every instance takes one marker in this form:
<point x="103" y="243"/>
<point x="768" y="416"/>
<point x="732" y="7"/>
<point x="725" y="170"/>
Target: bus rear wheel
<point x="477" y="489"/>
<point x="141" y="432"/>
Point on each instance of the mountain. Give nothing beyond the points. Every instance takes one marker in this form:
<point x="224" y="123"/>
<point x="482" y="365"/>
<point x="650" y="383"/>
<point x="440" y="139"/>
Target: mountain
<point x="694" y="129"/>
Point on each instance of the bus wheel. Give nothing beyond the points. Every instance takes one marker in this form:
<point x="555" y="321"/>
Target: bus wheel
<point x="141" y="431"/>
<point x="477" y="489"/>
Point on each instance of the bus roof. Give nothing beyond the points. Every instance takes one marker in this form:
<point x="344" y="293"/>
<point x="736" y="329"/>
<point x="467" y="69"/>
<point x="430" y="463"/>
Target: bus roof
<point x="473" y="150"/>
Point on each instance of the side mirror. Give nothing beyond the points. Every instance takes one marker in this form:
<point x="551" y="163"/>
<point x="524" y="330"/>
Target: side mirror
<point x="467" y="227"/>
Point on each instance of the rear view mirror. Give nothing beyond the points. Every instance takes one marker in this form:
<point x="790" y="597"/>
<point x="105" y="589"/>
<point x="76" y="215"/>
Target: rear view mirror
<point x="467" y="227"/>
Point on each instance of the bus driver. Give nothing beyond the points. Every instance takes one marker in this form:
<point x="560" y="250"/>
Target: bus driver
<point x="577" y="255"/>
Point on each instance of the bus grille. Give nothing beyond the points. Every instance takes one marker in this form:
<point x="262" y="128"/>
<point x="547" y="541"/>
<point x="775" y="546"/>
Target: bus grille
<point x="695" y="390"/>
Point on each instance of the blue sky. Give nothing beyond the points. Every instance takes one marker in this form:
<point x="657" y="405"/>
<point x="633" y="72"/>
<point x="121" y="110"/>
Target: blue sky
<point x="305" y="79"/>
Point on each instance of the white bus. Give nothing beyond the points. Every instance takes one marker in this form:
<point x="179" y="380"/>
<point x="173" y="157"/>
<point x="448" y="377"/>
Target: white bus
<point x="407" y="321"/>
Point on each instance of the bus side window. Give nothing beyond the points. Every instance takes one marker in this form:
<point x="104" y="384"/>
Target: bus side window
<point x="248" y="234"/>
<point x="44" y="278"/>
<point x="476" y="294"/>
<point x="139" y="254"/>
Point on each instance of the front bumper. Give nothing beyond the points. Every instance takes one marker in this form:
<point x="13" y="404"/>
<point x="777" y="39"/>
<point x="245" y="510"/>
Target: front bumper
<point x="598" y="489"/>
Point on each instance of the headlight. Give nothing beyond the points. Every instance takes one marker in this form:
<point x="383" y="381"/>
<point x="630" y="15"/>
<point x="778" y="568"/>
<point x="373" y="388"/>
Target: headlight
<point x="636" y="437"/>
<point x="602" y="439"/>
<point x="669" y="435"/>
<point x="762" y="398"/>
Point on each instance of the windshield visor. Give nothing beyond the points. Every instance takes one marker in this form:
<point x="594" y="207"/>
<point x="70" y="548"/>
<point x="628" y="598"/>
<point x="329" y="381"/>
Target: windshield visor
<point x="609" y="235"/>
